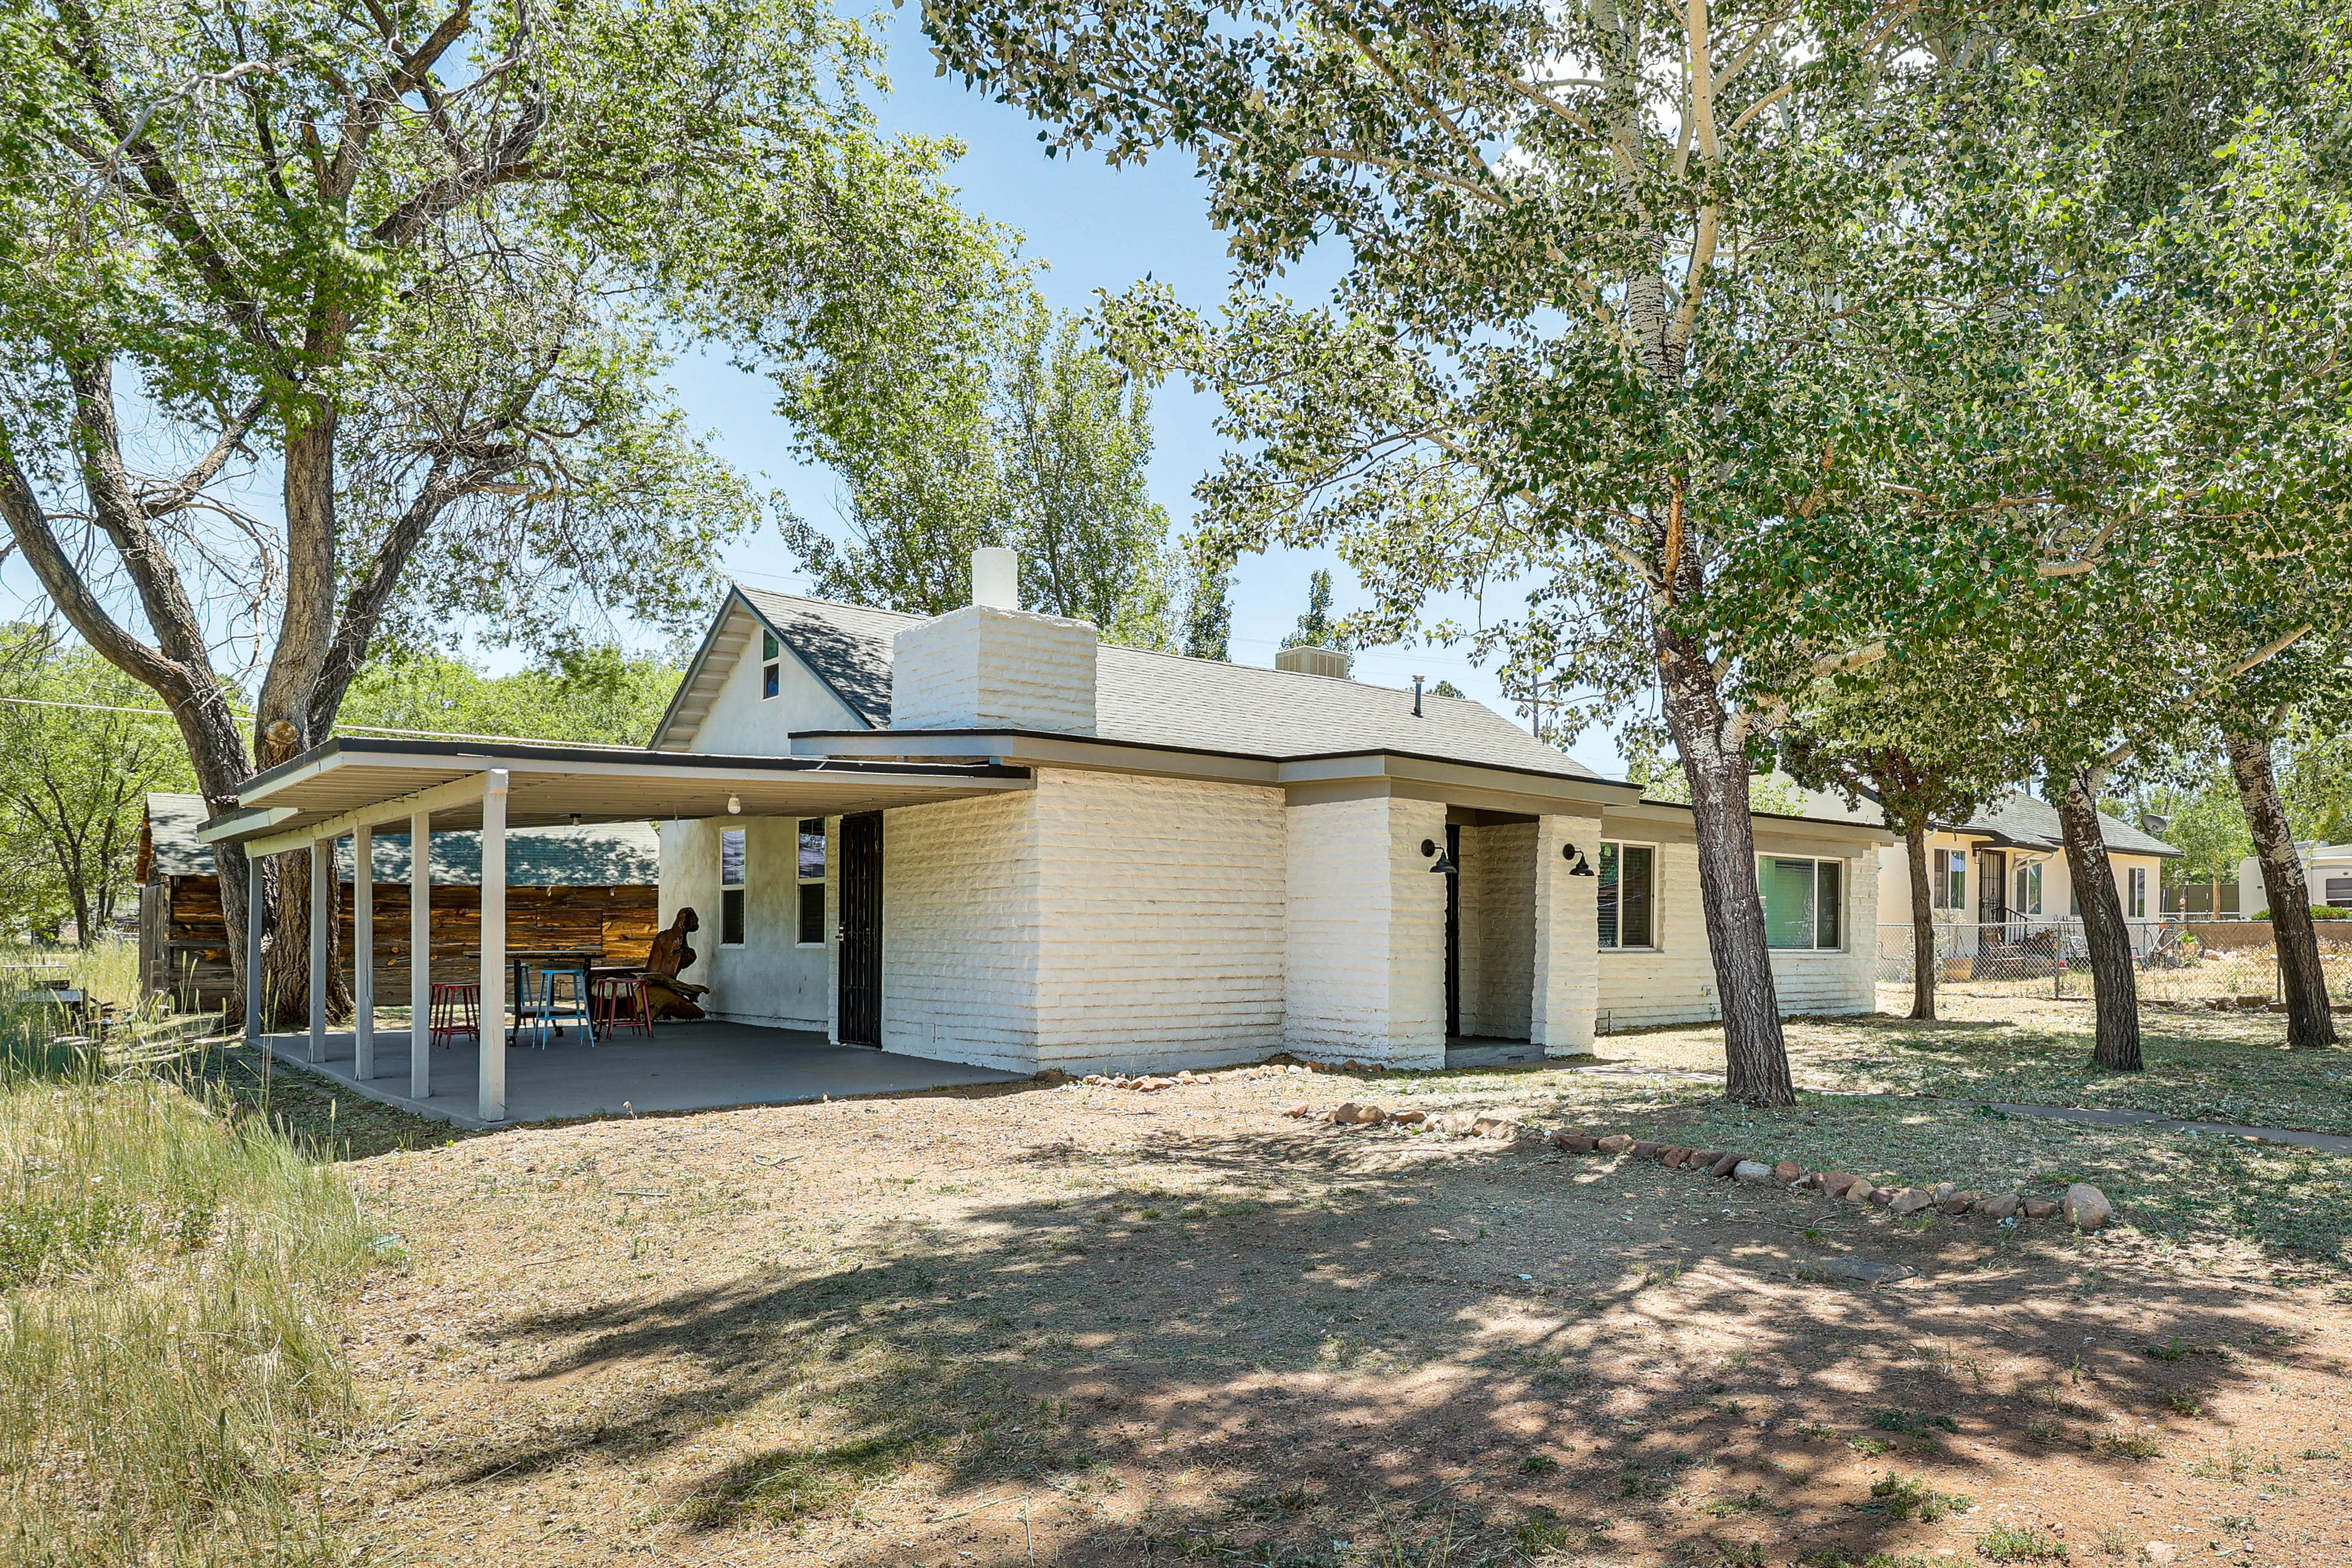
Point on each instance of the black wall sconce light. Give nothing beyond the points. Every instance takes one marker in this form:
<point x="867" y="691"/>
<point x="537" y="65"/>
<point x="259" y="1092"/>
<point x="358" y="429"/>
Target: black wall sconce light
<point x="1445" y="865"/>
<point x="1577" y="865"/>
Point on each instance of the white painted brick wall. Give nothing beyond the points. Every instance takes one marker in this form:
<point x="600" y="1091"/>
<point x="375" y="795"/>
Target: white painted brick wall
<point x="1161" y="907"/>
<point x="959" y="931"/>
<point x="1676" y="984"/>
<point x="1567" y="980"/>
<point x="1365" y="933"/>
<point x="982" y="667"/>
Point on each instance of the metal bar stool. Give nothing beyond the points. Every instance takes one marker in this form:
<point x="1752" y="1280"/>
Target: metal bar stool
<point x="620" y="1000"/>
<point x="455" y="1009"/>
<point x="562" y="995"/>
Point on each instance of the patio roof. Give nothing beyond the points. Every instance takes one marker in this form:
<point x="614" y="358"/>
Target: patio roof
<point x="351" y="781"/>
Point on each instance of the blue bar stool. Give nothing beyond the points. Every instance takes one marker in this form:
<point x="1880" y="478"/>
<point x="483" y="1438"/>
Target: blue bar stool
<point x="563" y="998"/>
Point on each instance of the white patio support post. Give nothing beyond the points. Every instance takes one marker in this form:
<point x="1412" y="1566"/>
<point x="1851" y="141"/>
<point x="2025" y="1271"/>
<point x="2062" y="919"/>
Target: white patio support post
<point x="322" y="915"/>
<point x="493" y="1106"/>
<point x="364" y="951"/>
<point x="256" y="887"/>
<point x="420" y="955"/>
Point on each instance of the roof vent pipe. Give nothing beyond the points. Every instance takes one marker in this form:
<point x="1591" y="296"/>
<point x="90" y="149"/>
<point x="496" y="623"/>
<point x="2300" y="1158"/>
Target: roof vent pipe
<point x="996" y="578"/>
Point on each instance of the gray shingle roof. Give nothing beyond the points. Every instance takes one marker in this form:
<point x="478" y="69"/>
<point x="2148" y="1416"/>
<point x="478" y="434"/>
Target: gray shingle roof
<point x="1201" y="704"/>
<point x="2019" y="820"/>
<point x="607" y="855"/>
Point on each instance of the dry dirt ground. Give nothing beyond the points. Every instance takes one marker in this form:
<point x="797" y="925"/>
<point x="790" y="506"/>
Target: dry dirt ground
<point x="1086" y="1326"/>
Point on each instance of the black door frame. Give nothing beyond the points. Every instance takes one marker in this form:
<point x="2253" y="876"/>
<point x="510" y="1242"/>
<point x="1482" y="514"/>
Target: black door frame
<point x="1454" y="932"/>
<point x="859" y="934"/>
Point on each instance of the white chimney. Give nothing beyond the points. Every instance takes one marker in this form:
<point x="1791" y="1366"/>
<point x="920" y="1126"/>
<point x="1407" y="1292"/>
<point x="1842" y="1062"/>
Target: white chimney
<point x="993" y="666"/>
<point x="996" y="578"/>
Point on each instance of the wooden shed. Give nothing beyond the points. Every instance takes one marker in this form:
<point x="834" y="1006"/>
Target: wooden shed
<point x="594" y="888"/>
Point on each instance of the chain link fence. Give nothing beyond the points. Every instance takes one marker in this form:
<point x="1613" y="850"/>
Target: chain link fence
<point x="2177" y="960"/>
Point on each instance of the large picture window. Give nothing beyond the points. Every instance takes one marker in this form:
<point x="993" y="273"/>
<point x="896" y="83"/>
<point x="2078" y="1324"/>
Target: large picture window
<point x="1804" y="902"/>
<point x="730" y="887"/>
<point x="1629" y="898"/>
<point x="1948" y="885"/>
<point x="810" y="858"/>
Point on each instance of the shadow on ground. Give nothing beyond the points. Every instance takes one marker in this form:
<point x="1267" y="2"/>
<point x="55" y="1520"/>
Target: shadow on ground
<point x="1434" y="1354"/>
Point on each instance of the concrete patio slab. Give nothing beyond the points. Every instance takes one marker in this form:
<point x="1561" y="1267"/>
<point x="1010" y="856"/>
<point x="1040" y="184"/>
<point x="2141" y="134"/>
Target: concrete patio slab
<point x="701" y="1066"/>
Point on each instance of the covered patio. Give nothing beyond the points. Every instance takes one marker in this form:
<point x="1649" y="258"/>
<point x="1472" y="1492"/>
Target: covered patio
<point x="354" y="787"/>
<point x="706" y="1064"/>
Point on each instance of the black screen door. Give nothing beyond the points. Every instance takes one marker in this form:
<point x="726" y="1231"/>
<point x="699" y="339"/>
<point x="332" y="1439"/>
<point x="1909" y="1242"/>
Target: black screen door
<point x="861" y="930"/>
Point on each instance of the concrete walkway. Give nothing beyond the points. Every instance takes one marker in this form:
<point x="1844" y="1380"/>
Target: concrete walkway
<point x="701" y="1066"/>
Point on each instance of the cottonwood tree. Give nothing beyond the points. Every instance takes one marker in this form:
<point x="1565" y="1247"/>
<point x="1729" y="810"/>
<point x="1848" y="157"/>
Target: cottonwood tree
<point x="1029" y="436"/>
<point x="327" y="325"/>
<point x="80" y="747"/>
<point x="2158" y="412"/>
<point x="1622" y="277"/>
<point x="1905" y="732"/>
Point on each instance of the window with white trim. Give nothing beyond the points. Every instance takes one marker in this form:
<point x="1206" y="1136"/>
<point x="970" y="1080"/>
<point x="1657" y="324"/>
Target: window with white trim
<point x="1804" y="902"/>
<point x="1948" y="885"/>
<point x="2136" y="902"/>
<point x="1629" y="895"/>
<point x="810" y="858"/>
<point x="2025" y="894"/>
<point x="731" y="856"/>
<point x="772" y="667"/>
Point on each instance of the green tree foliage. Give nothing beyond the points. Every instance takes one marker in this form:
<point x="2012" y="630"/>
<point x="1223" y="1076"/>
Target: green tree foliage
<point x="404" y="263"/>
<point x="1209" y="611"/>
<point x="1625" y="285"/>
<point x="75" y="771"/>
<point x="1912" y="733"/>
<point x="1033" y="438"/>
<point x="598" y="694"/>
<point x="1314" y="627"/>
<point x="2316" y="780"/>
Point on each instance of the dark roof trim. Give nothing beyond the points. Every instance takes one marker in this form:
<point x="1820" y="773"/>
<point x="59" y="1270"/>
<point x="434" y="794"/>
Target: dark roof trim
<point x="1214" y="751"/>
<point x="640" y="756"/>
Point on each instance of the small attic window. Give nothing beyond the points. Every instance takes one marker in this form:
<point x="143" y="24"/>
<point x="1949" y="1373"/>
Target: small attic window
<point x="771" y="669"/>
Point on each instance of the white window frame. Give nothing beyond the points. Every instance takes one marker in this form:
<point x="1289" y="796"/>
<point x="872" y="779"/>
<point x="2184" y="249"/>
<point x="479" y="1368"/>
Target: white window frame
<point x="2024" y="875"/>
<point x="1844" y="901"/>
<point x="1948" y="881"/>
<point x="772" y="666"/>
<point x="805" y="880"/>
<point x="1612" y="944"/>
<point x="741" y="888"/>
<point x="2135" y="892"/>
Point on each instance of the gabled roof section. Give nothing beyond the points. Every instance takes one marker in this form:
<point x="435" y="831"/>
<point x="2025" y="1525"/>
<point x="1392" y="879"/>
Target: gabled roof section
<point x="839" y="660"/>
<point x="601" y="855"/>
<point x="1196" y="704"/>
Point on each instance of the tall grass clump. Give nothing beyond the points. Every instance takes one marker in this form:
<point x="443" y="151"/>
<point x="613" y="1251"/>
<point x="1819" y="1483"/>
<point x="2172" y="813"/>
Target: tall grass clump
<point x="170" y="1281"/>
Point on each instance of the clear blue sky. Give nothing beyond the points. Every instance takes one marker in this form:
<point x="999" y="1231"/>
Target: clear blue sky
<point x="1096" y="228"/>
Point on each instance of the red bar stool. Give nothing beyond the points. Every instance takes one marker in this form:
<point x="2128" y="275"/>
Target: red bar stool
<point x="620" y="1000"/>
<point x="456" y="1010"/>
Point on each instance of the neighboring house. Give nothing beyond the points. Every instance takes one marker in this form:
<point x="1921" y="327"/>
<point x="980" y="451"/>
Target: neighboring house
<point x="987" y="837"/>
<point x="2326" y="873"/>
<point x="586" y="888"/>
<point x="2007" y="865"/>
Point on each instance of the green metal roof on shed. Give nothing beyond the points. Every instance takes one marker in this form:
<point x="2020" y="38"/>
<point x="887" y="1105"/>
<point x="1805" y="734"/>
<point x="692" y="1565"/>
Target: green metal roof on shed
<point x="607" y="855"/>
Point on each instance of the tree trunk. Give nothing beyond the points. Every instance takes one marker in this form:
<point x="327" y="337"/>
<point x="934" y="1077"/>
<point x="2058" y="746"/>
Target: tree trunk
<point x="1923" y="925"/>
<point x="2115" y="986"/>
<point x="1713" y="743"/>
<point x="2309" y="1025"/>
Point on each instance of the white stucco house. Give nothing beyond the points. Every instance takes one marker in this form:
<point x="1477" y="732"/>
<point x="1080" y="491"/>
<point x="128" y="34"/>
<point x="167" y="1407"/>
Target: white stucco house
<point x="2326" y="873"/>
<point x="1212" y="862"/>
<point x="989" y="838"/>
